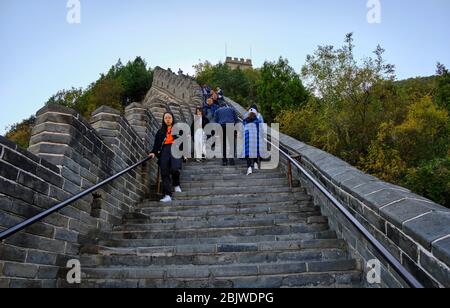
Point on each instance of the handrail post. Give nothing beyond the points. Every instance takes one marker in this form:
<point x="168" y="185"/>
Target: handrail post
<point x="290" y="173"/>
<point x="290" y="177"/>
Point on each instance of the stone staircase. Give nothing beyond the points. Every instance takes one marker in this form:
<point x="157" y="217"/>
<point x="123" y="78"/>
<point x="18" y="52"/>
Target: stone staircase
<point x="226" y="230"/>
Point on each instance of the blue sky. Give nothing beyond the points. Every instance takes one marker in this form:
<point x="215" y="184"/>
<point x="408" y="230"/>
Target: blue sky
<point x="42" y="53"/>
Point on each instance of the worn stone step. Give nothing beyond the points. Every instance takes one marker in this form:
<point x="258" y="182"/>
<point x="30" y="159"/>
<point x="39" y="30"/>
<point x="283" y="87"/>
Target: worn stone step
<point x="232" y="209"/>
<point x="279" y="182"/>
<point x="217" y="271"/>
<point x="288" y="245"/>
<point x="241" y="171"/>
<point x="232" y="177"/>
<point x="233" y="199"/>
<point x="343" y="279"/>
<point x="217" y="258"/>
<point x="234" y="223"/>
<point x="281" y="229"/>
<point x="159" y="217"/>
<point x="228" y="239"/>
<point x="236" y="191"/>
<point x="212" y="163"/>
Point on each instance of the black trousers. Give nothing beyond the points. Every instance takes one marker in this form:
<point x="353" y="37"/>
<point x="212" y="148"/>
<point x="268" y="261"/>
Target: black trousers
<point x="227" y="138"/>
<point x="251" y="162"/>
<point x="170" y="170"/>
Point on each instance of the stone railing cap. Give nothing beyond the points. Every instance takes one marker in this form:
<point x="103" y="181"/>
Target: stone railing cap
<point x="106" y="109"/>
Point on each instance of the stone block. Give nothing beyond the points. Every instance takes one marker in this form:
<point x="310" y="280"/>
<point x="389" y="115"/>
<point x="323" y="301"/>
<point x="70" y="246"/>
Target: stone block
<point x="20" y="270"/>
<point x="404" y="210"/>
<point x="20" y="161"/>
<point x="41" y="257"/>
<point x="34" y="183"/>
<point x="428" y="228"/>
<point x="8" y="171"/>
<point x="441" y="249"/>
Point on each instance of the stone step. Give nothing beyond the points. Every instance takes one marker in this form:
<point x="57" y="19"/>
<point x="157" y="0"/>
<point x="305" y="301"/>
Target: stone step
<point x="237" y="199"/>
<point x="217" y="271"/>
<point x="269" y="246"/>
<point x="231" y="177"/>
<point x="342" y="279"/>
<point x="233" y="184"/>
<point x="235" y="223"/>
<point x="168" y="259"/>
<point x="227" y="239"/>
<point x="236" y="191"/>
<point x="218" y="216"/>
<point x="213" y="163"/>
<point x="282" y="229"/>
<point x="192" y="164"/>
<point x="241" y="170"/>
<point x="220" y="210"/>
<point x="227" y="211"/>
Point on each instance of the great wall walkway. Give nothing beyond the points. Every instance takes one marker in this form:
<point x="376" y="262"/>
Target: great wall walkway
<point x="224" y="230"/>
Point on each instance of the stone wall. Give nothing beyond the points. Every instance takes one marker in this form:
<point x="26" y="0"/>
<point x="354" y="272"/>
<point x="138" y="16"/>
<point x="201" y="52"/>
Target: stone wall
<point x="414" y="229"/>
<point x="177" y="93"/>
<point x="67" y="155"/>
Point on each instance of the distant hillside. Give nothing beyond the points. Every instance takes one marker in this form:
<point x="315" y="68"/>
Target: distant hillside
<point x="418" y="86"/>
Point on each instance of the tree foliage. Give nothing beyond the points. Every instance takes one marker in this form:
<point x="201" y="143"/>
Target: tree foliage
<point x="443" y="87"/>
<point x="20" y="133"/>
<point x="121" y="86"/>
<point x="279" y="88"/>
<point x="239" y="85"/>
<point x="397" y="131"/>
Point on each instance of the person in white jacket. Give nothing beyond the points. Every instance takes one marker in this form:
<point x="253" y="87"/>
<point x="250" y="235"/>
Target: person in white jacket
<point x="198" y="133"/>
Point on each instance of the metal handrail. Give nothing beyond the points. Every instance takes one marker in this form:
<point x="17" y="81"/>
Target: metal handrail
<point x="397" y="266"/>
<point x="13" y="230"/>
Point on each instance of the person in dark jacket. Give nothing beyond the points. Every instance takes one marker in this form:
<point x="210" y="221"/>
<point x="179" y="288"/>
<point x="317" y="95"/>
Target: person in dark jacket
<point x="210" y="109"/>
<point x="170" y="166"/>
<point x="224" y="116"/>
<point x="198" y="134"/>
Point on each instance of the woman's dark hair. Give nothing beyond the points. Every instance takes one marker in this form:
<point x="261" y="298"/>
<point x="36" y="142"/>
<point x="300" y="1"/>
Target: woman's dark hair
<point x="164" y="126"/>
<point x="199" y="109"/>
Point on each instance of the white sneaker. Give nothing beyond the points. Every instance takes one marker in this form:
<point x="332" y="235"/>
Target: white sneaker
<point x="178" y="189"/>
<point x="166" y="199"/>
<point x="249" y="171"/>
<point x="256" y="166"/>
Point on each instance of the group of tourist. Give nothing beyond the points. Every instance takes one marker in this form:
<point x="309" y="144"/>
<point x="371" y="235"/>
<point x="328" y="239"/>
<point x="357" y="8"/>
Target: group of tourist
<point x="214" y="110"/>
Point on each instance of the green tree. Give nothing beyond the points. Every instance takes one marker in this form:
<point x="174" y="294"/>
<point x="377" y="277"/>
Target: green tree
<point x="355" y="98"/>
<point x="383" y="159"/>
<point x="279" y="88"/>
<point x="66" y="98"/>
<point x="443" y="87"/>
<point x="431" y="179"/>
<point x="425" y="133"/>
<point x="20" y="133"/>
<point x="105" y="92"/>
<point x="239" y="85"/>
<point x="135" y="78"/>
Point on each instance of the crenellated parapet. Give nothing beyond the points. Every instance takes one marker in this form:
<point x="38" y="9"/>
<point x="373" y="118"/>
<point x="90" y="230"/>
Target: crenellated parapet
<point x="171" y="92"/>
